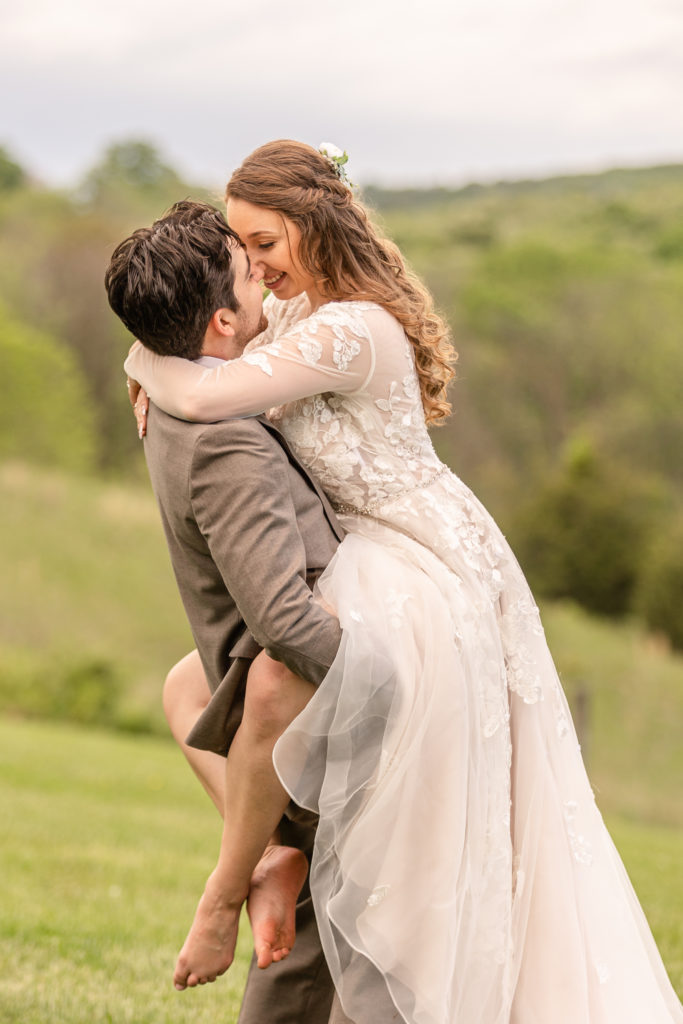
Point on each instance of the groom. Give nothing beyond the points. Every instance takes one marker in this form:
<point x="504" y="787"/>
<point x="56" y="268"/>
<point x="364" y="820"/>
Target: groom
<point x="248" y="532"/>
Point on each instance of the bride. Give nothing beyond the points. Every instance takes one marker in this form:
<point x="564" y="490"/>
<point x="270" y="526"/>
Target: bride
<point x="461" y="864"/>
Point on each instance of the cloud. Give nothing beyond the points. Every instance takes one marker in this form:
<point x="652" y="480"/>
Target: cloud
<point x="426" y="91"/>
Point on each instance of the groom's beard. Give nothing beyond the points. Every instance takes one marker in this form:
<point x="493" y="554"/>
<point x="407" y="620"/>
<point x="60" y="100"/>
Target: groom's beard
<point x="248" y="327"/>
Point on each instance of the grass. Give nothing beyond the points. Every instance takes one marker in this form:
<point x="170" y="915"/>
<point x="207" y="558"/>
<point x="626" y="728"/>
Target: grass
<point x="653" y="856"/>
<point x="107" y="842"/>
<point x="87" y="582"/>
<point x="633" y="685"/>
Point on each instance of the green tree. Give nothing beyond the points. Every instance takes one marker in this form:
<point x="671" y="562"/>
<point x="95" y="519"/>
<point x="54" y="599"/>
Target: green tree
<point x="659" y="595"/>
<point x="45" y="416"/>
<point x="582" y="535"/>
<point x="132" y="176"/>
<point x="53" y="255"/>
<point x="12" y="174"/>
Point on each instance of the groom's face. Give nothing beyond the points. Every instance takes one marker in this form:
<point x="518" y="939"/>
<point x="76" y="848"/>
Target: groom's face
<point x="250" y="319"/>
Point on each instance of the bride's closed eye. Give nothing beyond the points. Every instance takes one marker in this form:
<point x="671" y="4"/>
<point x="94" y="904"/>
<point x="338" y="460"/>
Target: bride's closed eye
<point x="266" y="245"/>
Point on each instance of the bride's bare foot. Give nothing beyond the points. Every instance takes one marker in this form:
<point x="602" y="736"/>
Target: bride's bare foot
<point x="209" y="948"/>
<point x="275" y="886"/>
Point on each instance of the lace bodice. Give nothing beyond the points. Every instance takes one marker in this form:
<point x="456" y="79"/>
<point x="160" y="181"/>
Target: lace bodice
<point x="339" y="382"/>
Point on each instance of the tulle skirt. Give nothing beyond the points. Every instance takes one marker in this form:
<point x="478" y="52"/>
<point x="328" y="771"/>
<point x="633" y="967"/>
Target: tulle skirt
<point x="462" y="873"/>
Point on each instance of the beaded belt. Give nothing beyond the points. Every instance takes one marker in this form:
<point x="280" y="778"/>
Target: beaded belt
<point x="345" y="508"/>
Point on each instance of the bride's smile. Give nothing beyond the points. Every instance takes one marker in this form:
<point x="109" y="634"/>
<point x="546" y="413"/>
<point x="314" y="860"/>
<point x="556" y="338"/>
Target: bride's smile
<point x="272" y="242"/>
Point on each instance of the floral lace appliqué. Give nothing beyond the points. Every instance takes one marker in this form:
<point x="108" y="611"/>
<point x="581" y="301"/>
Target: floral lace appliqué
<point x="378" y="895"/>
<point x="395" y="604"/>
<point x="348" y="328"/>
<point x="581" y="848"/>
<point x="310" y="349"/>
<point x="344" y="350"/>
<point x="259" y="359"/>
<point x="519" y="621"/>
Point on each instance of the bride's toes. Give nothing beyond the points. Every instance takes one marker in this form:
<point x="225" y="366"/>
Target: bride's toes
<point x="181" y="975"/>
<point x="210" y="945"/>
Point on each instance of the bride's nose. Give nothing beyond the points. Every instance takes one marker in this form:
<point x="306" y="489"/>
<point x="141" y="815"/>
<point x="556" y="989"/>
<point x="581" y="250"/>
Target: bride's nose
<point x="257" y="265"/>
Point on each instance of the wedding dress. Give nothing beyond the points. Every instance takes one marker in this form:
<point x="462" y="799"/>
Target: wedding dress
<point x="461" y="864"/>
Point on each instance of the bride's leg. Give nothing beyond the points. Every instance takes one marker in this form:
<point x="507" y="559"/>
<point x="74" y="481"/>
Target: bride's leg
<point x="281" y="872"/>
<point x="186" y="695"/>
<point x="254" y="804"/>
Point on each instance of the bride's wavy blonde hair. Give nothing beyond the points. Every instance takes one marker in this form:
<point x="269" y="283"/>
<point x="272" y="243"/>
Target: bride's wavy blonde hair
<point x="342" y="250"/>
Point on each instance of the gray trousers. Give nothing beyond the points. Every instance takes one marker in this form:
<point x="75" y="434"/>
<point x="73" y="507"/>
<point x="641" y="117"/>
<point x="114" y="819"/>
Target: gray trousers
<point x="299" y="990"/>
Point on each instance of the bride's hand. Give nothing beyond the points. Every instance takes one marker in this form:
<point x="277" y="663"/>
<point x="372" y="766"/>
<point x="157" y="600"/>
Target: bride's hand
<point x="140" y="402"/>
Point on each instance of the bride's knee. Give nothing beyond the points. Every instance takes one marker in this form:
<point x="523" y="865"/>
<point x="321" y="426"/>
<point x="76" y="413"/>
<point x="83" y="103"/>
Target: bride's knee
<point x="265" y="711"/>
<point x="170" y="694"/>
<point x="185" y="691"/>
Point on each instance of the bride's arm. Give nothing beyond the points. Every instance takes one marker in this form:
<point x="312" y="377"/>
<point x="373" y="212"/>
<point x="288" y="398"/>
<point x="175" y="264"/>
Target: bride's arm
<point x="330" y="351"/>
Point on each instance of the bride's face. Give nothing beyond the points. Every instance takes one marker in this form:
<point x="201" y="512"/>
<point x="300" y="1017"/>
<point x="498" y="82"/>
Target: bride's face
<point x="272" y="243"/>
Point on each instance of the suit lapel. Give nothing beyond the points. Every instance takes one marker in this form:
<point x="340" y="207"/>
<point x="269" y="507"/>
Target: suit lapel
<point x="327" y="507"/>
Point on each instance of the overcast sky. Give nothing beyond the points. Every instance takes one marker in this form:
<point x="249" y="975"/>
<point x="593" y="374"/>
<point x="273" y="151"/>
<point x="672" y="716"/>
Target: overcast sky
<point x="429" y="91"/>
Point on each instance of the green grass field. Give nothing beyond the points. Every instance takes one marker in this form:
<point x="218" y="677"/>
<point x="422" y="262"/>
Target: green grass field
<point x="87" y="581"/>
<point x="107" y="840"/>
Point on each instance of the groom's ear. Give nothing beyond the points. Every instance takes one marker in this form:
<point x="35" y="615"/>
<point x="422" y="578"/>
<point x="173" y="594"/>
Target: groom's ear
<point x="223" y="322"/>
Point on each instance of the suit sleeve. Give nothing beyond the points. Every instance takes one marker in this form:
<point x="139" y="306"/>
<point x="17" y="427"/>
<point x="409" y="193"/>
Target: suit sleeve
<point x="241" y="498"/>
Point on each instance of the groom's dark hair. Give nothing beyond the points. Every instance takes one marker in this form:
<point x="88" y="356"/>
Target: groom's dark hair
<point x="166" y="282"/>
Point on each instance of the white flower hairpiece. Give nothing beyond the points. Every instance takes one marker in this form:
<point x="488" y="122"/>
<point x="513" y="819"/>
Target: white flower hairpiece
<point x="337" y="159"/>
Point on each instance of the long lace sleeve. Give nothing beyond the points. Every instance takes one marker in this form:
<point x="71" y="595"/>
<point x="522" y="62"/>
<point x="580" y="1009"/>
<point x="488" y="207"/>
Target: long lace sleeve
<point x="331" y="350"/>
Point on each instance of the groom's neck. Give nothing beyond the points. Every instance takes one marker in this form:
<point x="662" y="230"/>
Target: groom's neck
<point x="221" y="347"/>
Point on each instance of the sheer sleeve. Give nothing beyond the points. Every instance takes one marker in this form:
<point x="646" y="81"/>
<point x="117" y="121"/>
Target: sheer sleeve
<point x="331" y="350"/>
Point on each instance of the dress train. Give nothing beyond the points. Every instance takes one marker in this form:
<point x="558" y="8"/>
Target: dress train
<point x="462" y="872"/>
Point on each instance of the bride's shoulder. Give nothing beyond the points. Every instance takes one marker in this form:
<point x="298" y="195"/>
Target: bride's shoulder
<point x="357" y="315"/>
<point x="354" y="324"/>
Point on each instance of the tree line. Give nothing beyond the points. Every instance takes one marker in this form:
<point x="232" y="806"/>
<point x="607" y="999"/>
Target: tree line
<point x="565" y="298"/>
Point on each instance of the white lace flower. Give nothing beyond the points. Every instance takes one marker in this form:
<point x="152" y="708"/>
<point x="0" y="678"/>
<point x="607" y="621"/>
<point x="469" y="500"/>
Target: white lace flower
<point x="394" y="607"/>
<point x="411" y="387"/>
<point x="581" y="847"/>
<point x="344" y="350"/>
<point x="259" y="359"/>
<point x="378" y="894"/>
<point x="311" y="350"/>
<point x="387" y="404"/>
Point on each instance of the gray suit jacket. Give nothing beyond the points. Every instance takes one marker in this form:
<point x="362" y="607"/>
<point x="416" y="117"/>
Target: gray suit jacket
<point x="248" y="532"/>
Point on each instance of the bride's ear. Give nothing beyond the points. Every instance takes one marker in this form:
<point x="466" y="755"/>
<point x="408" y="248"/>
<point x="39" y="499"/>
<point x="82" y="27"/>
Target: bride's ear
<point x="222" y="322"/>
